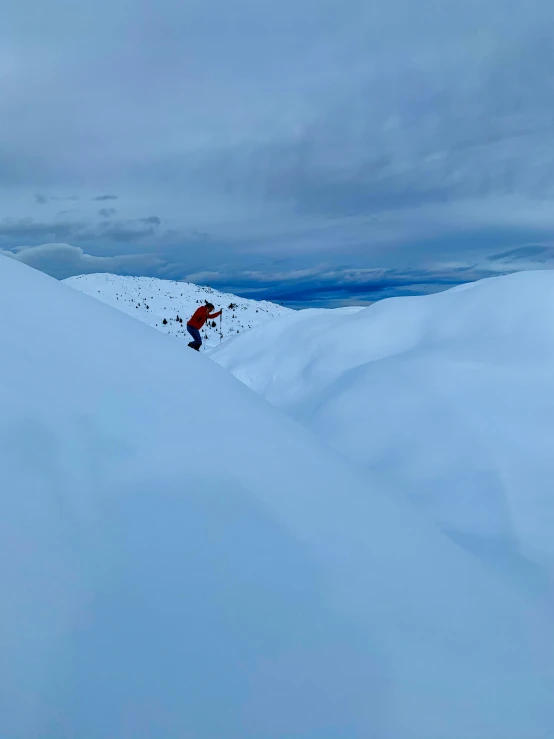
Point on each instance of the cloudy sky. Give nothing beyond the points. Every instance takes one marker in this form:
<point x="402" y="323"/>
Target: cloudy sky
<point x="317" y="151"/>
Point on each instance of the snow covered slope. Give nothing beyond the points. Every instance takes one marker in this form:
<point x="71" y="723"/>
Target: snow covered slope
<point x="152" y="300"/>
<point x="449" y="396"/>
<point x="179" y="559"/>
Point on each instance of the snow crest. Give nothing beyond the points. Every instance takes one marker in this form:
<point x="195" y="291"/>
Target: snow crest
<point x="448" y="397"/>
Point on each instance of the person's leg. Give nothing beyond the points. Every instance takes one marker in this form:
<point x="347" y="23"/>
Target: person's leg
<point x="195" y="333"/>
<point x="192" y="343"/>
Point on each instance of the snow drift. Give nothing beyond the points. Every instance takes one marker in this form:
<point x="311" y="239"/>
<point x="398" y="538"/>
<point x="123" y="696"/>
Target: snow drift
<point x="449" y="396"/>
<point x="178" y="559"/>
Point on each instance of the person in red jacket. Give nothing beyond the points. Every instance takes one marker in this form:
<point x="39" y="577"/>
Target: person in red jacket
<point x="197" y="322"/>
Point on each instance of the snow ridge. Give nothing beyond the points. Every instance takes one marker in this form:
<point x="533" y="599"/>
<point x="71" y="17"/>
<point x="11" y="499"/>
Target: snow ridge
<point x="152" y="301"/>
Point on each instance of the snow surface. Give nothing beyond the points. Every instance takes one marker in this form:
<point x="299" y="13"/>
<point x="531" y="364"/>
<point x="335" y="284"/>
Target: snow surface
<point x="178" y="559"/>
<point x="450" y="397"/>
<point x="151" y="300"/>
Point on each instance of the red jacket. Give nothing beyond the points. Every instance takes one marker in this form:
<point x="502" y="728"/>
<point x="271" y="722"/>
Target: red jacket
<point x="201" y="316"/>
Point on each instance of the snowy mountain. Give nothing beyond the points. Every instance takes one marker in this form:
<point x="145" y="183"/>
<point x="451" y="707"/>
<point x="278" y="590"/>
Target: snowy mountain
<point x="152" y="300"/>
<point x="178" y="558"/>
<point x="448" y="397"/>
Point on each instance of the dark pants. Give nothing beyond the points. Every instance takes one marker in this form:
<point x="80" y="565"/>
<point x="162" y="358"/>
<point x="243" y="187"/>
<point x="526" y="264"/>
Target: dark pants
<point x="195" y="333"/>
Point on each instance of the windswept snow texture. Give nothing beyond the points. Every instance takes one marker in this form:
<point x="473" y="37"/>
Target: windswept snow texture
<point x="180" y="560"/>
<point x="449" y="396"/>
<point x="151" y="300"/>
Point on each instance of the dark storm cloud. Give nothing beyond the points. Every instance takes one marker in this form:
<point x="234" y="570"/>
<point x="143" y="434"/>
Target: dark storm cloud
<point x="536" y="254"/>
<point x="324" y="286"/>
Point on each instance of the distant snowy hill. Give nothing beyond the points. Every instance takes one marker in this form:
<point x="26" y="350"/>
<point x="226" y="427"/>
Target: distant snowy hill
<point x="152" y="300"/>
<point x="450" y="397"/>
<point x="179" y="559"/>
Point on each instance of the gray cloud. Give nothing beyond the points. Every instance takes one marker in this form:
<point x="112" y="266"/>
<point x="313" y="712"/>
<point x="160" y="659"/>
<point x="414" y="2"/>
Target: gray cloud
<point x="27" y="229"/>
<point x="444" y="137"/>
<point x="64" y="260"/>
<point x="76" y="230"/>
<point x="41" y="199"/>
<point x="107" y="212"/>
<point x="292" y="130"/>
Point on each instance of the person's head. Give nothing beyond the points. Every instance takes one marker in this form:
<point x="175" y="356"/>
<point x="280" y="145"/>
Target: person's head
<point x="209" y="306"/>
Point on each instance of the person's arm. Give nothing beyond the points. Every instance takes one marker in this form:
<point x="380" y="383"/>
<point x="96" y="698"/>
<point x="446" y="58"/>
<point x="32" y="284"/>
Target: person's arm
<point x="215" y="315"/>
